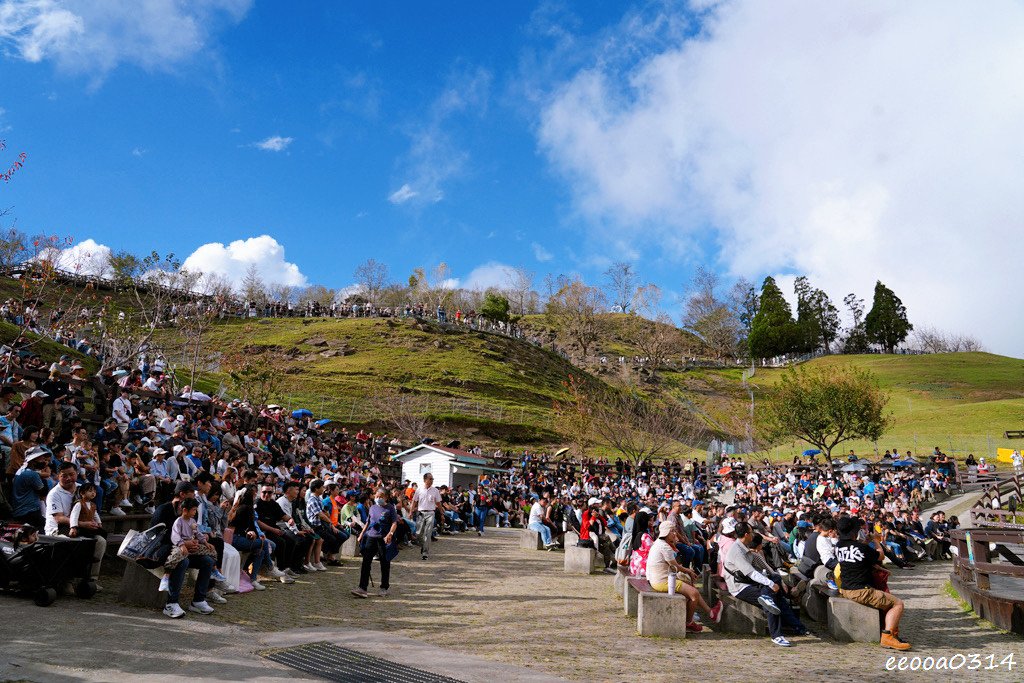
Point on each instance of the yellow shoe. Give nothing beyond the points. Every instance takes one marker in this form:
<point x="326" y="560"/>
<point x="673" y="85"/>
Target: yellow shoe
<point x="893" y="643"/>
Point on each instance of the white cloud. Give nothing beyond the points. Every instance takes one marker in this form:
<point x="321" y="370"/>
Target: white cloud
<point x="233" y="260"/>
<point x="434" y="157"/>
<point x="88" y="36"/>
<point x="275" y="143"/>
<point x="491" y="274"/>
<point x="85" y="258"/>
<point x="403" y="194"/>
<point x="540" y="253"/>
<point x="138" y="151"/>
<point x="847" y="141"/>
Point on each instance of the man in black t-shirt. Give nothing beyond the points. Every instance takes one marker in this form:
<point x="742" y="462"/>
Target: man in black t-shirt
<point x="857" y="561"/>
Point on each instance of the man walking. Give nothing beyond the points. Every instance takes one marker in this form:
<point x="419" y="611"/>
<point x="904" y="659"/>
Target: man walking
<point x="425" y="502"/>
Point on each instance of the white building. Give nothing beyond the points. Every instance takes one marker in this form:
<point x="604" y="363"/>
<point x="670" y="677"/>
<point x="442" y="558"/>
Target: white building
<point x="450" y="466"/>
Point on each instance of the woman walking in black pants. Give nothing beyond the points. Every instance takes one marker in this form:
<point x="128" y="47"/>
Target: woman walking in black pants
<point x="373" y="542"/>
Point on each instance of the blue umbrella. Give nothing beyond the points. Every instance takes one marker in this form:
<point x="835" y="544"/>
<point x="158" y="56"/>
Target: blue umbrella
<point x="811" y="451"/>
<point x="904" y="463"/>
<point x="301" y="412"/>
<point x="321" y="423"/>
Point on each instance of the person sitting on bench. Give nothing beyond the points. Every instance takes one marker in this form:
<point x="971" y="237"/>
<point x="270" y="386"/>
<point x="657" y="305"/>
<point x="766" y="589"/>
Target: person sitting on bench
<point x="661" y="560"/>
<point x="748" y="584"/>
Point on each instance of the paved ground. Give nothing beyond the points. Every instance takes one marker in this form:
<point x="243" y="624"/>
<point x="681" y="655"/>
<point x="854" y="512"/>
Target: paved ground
<point x="477" y="610"/>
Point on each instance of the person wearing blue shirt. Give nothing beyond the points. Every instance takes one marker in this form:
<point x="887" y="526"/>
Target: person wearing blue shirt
<point x="29" y="489"/>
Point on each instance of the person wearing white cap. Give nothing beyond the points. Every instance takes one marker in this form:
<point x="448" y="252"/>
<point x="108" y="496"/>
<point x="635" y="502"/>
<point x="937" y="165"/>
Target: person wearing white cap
<point x="661" y="561"/>
<point x="29" y="490"/>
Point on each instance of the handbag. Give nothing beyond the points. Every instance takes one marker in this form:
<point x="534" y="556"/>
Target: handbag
<point x="143" y="545"/>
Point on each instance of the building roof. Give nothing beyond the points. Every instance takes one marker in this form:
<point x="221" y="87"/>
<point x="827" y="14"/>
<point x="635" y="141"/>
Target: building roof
<point x="459" y="456"/>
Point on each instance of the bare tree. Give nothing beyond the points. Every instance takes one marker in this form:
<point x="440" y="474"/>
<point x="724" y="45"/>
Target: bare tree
<point x="520" y="287"/>
<point x="253" y="289"/>
<point x="372" y="276"/>
<point x="622" y="282"/>
<point x="642" y="429"/>
<point x="573" y="310"/>
<point x="14" y="246"/>
<point x="408" y="414"/>
<point x="280" y="293"/>
<point x="710" y="318"/>
<point x="656" y="339"/>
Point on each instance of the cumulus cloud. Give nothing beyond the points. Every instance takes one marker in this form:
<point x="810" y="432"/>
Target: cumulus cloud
<point x="488" y="275"/>
<point x="88" y="257"/>
<point x="275" y="143"/>
<point x="233" y="260"/>
<point x="540" y="253"/>
<point x="846" y="141"/>
<point x="88" y="36"/>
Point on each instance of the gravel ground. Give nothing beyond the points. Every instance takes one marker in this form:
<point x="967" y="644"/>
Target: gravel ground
<point x="486" y="597"/>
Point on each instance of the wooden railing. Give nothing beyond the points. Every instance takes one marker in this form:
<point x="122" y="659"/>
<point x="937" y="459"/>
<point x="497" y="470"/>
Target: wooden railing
<point x="973" y="562"/>
<point x="997" y="506"/>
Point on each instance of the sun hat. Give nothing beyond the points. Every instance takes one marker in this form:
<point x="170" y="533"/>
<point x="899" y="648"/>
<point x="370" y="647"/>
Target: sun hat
<point x="666" y="528"/>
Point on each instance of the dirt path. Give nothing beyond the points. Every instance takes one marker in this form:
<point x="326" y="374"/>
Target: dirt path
<point x="488" y="598"/>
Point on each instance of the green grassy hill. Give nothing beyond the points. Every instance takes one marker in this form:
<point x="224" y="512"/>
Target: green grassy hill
<point x="960" y="402"/>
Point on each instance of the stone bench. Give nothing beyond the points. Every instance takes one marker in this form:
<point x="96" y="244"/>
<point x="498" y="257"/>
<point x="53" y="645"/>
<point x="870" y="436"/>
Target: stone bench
<point x="530" y="540"/>
<point x="139" y="586"/>
<point x="579" y="560"/>
<point x="814" y="602"/>
<point x="658" y="614"/>
<point x="350" y="548"/>
<point x="738" y="616"/>
<point x="852" y="621"/>
<point x="570" y="538"/>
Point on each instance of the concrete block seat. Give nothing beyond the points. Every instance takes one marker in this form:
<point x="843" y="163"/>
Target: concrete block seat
<point x="621" y="574"/>
<point x="570" y="538"/>
<point x="350" y="548"/>
<point x="530" y="540"/>
<point x="139" y="586"/>
<point x="579" y="560"/>
<point x="738" y="616"/>
<point x="854" y="622"/>
<point x="657" y="614"/>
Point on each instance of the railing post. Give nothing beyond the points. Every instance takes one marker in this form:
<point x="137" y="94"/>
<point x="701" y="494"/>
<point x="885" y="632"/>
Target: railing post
<point x="980" y="551"/>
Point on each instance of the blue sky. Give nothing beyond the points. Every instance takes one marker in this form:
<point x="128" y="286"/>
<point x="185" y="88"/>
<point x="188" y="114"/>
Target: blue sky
<point x="848" y="142"/>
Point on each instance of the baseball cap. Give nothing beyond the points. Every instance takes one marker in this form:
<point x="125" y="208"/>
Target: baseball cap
<point x="728" y="525"/>
<point x="179" y="448"/>
<point x="665" y="528"/>
<point x="159" y="451"/>
<point x="39" y="394"/>
<point x="593" y="501"/>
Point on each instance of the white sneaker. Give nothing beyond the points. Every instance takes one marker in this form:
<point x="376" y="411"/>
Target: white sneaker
<point x="309" y="567"/>
<point x="290" y="573"/>
<point x="150" y="509"/>
<point x="173" y="610"/>
<point x="126" y="504"/>
<point x="215" y="597"/>
<point x="275" y="572"/>
<point x="117" y="512"/>
<point x="165" y="583"/>
<point x="200" y="607"/>
<point x="257" y="586"/>
<point x="285" y="579"/>
<point x="320" y="567"/>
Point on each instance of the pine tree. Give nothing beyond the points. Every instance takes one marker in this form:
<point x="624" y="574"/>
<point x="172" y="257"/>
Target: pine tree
<point x="886" y="323"/>
<point x="772" y="331"/>
<point x="817" y="317"/>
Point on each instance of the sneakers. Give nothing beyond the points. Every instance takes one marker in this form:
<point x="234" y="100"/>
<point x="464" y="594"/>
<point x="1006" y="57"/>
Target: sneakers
<point x="320" y="567"/>
<point x="781" y="641"/>
<point x="551" y="546"/>
<point x="173" y="610"/>
<point x="139" y="500"/>
<point x="150" y="509"/>
<point x="892" y="642"/>
<point x="165" y="583"/>
<point x="284" y="578"/>
<point x="117" y="511"/>
<point x="217" y="576"/>
<point x="694" y="627"/>
<point x="716" y="612"/>
<point x="126" y="504"/>
<point x="200" y="607"/>
<point x="382" y="593"/>
<point x="275" y="572"/>
<point x="424" y="557"/>
<point x="359" y="593"/>
<point x="215" y="597"/>
<point x="290" y="572"/>
<point x="257" y="586"/>
<point x="309" y="568"/>
<point x="831" y="583"/>
<point x="769" y="605"/>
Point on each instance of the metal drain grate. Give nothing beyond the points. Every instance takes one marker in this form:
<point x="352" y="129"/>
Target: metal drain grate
<point x="339" y="664"/>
